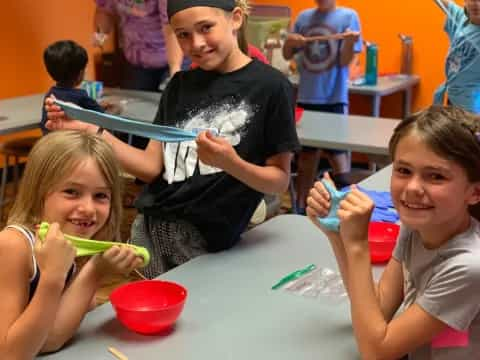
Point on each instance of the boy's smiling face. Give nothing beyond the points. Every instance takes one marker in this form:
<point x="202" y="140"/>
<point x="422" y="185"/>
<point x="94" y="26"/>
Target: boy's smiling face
<point x="208" y="36"/>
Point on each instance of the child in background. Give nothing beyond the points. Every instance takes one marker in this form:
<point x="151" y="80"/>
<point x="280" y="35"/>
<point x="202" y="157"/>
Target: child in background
<point x="462" y="66"/>
<point x="150" y="54"/>
<point x="323" y="67"/>
<point x="201" y="195"/>
<point x="66" y="62"/>
<point x="434" y="272"/>
<point x="72" y="181"/>
<point x="148" y="45"/>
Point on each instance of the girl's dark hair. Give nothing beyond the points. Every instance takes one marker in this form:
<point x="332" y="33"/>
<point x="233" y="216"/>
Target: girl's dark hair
<point x="65" y="60"/>
<point x="451" y="133"/>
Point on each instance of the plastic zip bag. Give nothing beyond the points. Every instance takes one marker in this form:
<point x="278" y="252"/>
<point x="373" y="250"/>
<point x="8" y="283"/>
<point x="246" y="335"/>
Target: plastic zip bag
<point x="313" y="282"/>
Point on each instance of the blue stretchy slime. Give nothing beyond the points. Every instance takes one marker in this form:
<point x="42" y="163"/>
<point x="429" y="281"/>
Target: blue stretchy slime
<point x="130" y="126"/>
<point x="383" y="211"/>
<point x="331" y="221"/>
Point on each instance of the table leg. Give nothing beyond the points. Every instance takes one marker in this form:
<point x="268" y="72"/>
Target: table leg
<point x="379" y="161"/>
<point x="407" y="102"/>
<point x="293" y="193"/>
<point x="376" y="105"/>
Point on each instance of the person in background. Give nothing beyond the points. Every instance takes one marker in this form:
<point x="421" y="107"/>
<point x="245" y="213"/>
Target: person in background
<point x="147" y="41"/>
<point x="149" y="47"/>
<point x="71" y="180"/>
<point x="323" y="67"/>
<point x="426" y="303"/>
<point x="201" y="194"/>
<point x="65" y="62"/>
<point x="462" y="67"/>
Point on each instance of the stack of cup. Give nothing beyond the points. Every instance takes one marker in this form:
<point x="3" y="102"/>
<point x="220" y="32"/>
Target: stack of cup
<point x="94" y="89"/>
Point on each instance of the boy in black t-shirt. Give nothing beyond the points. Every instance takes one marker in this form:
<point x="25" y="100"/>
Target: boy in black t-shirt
<point x="201" y="194"/>
<point x="66" y="61"/>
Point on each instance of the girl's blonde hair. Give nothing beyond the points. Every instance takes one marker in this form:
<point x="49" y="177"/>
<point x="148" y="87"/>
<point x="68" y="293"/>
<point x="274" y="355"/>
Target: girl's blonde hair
<point x="52" y="159"/>
<point x="242" y="32"/>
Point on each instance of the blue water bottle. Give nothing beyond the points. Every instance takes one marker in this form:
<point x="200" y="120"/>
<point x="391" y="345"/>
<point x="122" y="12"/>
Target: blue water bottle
<point x="371" y="71"/>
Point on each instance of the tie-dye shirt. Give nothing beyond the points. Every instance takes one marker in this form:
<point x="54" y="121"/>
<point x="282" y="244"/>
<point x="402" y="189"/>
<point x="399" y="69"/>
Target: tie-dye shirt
<point x="462" y="67"/>
<point x="140" y="25"/>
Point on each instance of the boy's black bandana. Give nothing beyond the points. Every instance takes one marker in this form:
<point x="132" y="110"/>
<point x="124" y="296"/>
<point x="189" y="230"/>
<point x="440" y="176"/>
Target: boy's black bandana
<point x="174" y="6"/>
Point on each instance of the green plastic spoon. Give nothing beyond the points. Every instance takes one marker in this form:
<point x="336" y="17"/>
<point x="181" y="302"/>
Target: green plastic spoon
<point x="87" y="247"/>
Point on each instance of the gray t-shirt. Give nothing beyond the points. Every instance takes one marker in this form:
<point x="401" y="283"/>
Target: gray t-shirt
<point x="445" y="282"/>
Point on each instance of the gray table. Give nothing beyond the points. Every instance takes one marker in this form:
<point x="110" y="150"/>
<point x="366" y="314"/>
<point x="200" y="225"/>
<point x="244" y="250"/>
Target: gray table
<point x="363" y="134"/>
<point x="24" y="112"/>
<point x="380" y="181"/>
<point x="139" y="105"/>
<point x="231" y="312"/>
<point x="388" y="85"/>
<point x="20" y="113"/>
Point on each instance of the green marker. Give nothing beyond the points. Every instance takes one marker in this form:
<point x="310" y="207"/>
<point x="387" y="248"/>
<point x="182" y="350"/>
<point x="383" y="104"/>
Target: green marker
<point x="294" y="276"/>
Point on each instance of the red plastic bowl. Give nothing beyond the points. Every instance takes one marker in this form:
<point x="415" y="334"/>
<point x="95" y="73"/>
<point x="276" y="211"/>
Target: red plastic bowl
<point x="148" y="306"/>
<point x="382" y="237"/>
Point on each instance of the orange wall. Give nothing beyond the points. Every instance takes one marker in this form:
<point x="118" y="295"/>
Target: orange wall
<point x="381" y="22"/>
<point x="26" y="28"/>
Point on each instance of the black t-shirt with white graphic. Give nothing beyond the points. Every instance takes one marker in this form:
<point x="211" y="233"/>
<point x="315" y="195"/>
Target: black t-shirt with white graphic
<point x="253" y="108"/>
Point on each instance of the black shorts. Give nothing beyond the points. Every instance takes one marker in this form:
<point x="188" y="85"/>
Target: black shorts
<point x="170" y="241"/>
